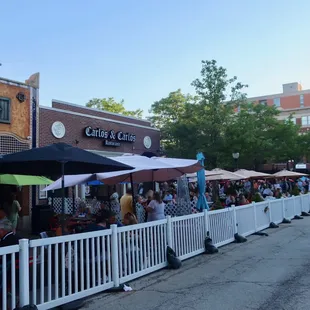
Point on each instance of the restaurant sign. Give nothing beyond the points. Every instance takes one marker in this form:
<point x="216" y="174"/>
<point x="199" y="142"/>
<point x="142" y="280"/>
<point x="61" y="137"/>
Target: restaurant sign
<point x="110" y="137"/>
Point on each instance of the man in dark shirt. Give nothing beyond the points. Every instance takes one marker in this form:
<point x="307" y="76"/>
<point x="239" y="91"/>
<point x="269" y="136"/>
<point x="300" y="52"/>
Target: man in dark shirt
<point x="6" y="234"/>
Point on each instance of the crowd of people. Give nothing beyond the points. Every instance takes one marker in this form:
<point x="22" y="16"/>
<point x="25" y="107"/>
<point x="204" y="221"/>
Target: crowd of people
<point x="240" y="193"/>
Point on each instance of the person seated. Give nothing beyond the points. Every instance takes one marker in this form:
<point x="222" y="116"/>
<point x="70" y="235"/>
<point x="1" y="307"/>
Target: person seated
<point x="167" y="197"/>
<point x="7" y="235"/>
<point x="208" y="197"/>
<point x="242" y="200"/>
<point x="267" y="192"/>
<point x="110" y="217"/>
<point x="82" y="210"/>
<point x="230" y="200"/>
<point x="278" y="194"/>
<point x="100" y="224"/>
<point x="130" y="219"/>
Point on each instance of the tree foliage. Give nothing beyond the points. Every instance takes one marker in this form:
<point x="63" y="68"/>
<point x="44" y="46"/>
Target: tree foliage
<point x="219" y="120"/>
<point x="110" y="105"/>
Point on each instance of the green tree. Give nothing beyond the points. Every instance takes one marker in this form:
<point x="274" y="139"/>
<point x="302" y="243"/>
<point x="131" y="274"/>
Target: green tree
<point x="209" y="122"/>
<point x="218" y="96"/>
<point x="173" y="116"/>
<point x="258" y="136"/>
<point x="110" y="105"/>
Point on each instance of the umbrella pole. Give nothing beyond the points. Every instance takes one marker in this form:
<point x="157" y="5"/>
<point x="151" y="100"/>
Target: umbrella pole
<point x="133" y="195"/>
<point x="73" y="200"/>
<point x="63" y="198"/>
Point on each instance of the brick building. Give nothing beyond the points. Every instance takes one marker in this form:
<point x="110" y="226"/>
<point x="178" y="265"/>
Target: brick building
<point x="292" y="101"/>
<point x="104" y="133"/>
<point x="295" y="102"/>
<point x="18" y="128"/>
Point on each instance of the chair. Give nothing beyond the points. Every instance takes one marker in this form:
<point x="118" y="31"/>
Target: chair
<point x="43" y="235"/>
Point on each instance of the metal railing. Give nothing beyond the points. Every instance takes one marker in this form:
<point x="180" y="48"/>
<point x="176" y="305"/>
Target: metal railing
<point x="53" y="271"/>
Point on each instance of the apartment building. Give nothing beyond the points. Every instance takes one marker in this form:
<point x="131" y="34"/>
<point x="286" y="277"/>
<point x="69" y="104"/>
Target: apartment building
<point x="292" y="101"/>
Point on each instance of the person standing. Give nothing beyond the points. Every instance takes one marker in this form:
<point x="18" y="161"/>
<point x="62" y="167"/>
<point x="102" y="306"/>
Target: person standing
<point x="155" y="209"/>
<point x="13" y="212"/>
<point x="126" y="203"/>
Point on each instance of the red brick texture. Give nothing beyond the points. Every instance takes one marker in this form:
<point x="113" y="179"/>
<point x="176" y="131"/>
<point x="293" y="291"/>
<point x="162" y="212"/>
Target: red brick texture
<point x="76" y="124"/>
<point x="83" y="110"/>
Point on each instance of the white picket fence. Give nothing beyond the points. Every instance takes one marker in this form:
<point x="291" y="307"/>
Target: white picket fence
<point x="54" y="271"/>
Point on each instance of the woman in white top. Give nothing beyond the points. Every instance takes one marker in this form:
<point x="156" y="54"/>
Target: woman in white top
<point x="156" y="209"/>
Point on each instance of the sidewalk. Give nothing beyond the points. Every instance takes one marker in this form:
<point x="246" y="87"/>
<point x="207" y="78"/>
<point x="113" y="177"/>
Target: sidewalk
<point x="264" y="273"/>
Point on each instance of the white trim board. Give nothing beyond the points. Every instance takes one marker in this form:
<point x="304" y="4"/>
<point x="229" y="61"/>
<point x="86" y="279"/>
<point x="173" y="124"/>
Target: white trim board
<point x="97" y="117"/>
<point x="97" y="110"/>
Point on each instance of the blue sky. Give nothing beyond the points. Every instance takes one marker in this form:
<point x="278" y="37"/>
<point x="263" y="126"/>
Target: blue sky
<point x="140" y="50"/>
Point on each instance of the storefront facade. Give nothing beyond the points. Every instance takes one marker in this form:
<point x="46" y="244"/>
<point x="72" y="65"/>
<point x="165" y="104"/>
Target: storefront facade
<point x="101" y="132"/>
<point x="18" y="127"/>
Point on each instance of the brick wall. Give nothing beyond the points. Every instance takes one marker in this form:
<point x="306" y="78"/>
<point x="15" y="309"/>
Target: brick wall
<point x="75" y="126"/>
<point x="84" y="110"/>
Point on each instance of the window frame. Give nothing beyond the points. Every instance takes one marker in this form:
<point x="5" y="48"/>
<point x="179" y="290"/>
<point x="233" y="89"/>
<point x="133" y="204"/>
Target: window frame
<point x="302" y="101"/>
<point x="9" y="102"/>
<point x="42" y="194"/>
<point x="263" y="101"/>
<point x="278" y="99"/>
<point x="307" y="120"/>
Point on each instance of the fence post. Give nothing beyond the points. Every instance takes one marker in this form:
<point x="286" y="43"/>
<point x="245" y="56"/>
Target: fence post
<point x="235" y="219"/>
<point x="294" y="198"/>
<point x="255" y="217"/>
<point x="269" y="208"/>
<point x="114" y="258"/>
<point x="206" y="221"/>
<point x="169" y="231"/>
<point x="24" y="272"/>
<point x="283" y="208"/>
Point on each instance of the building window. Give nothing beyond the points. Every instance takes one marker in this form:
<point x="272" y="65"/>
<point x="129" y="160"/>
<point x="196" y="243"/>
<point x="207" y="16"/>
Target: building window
<point x="301" y="101"/>
<point x="5" y="110"/>
<point x="277" y="102"/>
<point x="264" y="102"/>
<point x="42" y="193"/>
<point x="305" y="121"/>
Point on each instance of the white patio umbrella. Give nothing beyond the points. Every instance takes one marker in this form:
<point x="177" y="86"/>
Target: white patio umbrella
<point x="251" y="174"/>
<point x="224" y="175"/>
<point x="156" y="169"/>
<point x="147" y="169"/>
<point x="192" y="177"/>
<point x="286" y="173"/>
<point x="70" y="180"/>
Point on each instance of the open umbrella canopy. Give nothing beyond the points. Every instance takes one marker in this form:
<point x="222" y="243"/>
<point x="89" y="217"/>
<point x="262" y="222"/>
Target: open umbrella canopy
<point x="192" y="177"/>
<point x="147" y="170"/>
<point x="286" y="173"/>
<point x="155" y="169"/>
<point x="251" y="174"/>
<point x="224" y="175"/>
<point x="50" y="160"/>
<point x="23" y="180"/>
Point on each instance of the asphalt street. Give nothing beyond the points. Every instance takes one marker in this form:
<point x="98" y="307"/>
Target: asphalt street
<point x="265" y="273"/>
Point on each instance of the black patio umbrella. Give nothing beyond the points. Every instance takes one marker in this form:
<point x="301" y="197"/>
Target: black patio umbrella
<point x="58" y="159"/>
